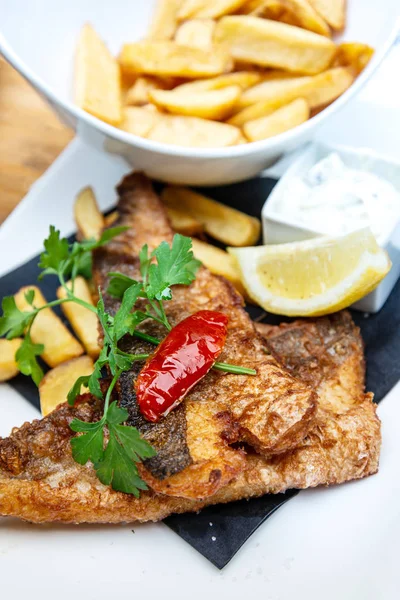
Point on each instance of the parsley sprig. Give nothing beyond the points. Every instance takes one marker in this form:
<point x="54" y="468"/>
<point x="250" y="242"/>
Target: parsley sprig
<point x="66" y="261"/>
<point x="112" y="447"/>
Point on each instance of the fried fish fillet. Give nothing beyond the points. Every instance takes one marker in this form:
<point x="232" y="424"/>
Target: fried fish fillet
<point x="39" y="481"/>
<point x="272" y="411"/>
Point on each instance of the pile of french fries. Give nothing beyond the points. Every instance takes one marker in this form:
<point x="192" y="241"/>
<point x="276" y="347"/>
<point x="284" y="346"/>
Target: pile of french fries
<point x="70" y="357"/>
<point x="214" y="73"/>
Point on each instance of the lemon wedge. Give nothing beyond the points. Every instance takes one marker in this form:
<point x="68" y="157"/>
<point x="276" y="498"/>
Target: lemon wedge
<point x="312" y="277"/>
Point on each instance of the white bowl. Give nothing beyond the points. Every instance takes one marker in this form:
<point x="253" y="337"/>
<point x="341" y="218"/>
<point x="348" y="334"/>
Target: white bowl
<point x="38" y="38"/>
<point x="279" y="228"/>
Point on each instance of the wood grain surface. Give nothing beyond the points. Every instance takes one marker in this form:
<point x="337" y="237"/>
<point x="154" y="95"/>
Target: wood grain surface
<point x="31" y="137"/>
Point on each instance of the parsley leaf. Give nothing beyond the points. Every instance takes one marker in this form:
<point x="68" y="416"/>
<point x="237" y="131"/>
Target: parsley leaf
<point x="136" y="447"/>
<point x="30" y="296"/>
<point x="26" y="359"/>
<point x="144" y="260"/>
<point x="82" y="265"/>
<point x="13" y="321"/>
<point x="76" y="388"/>
<point x="56" y="253"/>
<point x="117" y="466"/>
<point x="109" y="234"/>
<point x="124" y="320"/>
<point x="91" y="381"/>
<point x="94" y="379"/>
<point x="88" y="446"/>
<point x="176" y="265"/>
<point x="61" y="257"/>
<point x="118" y="284"/>
<point x="117" y="469"/>
<point x="114" y="465"/>
<point x="116" y="415"/>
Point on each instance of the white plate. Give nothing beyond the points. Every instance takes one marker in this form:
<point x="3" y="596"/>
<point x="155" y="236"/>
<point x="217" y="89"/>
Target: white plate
<point x="341" y="542"/>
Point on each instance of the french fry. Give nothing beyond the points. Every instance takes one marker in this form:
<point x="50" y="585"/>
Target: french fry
<point x="272" y="44"/>
<point x="318" y="90"/>
<point x="354" y="55"/>
<point x="183" y="223"/>
<point x="273" y="89"/>
<point x="207" y="9"/>
<point x="83" y="321"/>
<point x="169" y="58"/>
<point x="214" y="104"/>
<point x="281" y="120"/>
<point x="193" y="132"/>
<point x="295" y="12"/>
<point x="242" y="140"/>
<point x="110" y="219"/>
<point x="197" y="33"/>
<point x="244" y="79"/>
<point x="88" y="218"/>
<point x="48" y="329"/>
<point x="8" y="365"/>
<point x="97" y="78"/>
<point x="257" y="110"/>
<point x="55" y="385"/>
<point x="138" y="93"/>
<point x="151" y="108"/>
<point x="226" y="224"/>
<point x="245" y="65"/>
<point x="163" y="23"/>
<point x="218" y="262"/>
<point x="254" y="8"/>
<point x="139" y="120"/>
<point x="333" y="11"/>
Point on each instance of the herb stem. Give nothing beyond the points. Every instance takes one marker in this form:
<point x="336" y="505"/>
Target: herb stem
<point x="64" y="284"/>
<point x="164" y="316"/>
<point x="146" y="338"/>
<point x="71" y="296"/>
<point x="134" y="356"/>
<point x="63" y="301"/>
<point x="159" y="311"/>
<point x="83" y="303"/>
<point x="51" y="304"/>
<point x="109" y="392"/>
<point x="151" y="316"/>
<point x="228" y="368"/>
<point x="139" y="356"/>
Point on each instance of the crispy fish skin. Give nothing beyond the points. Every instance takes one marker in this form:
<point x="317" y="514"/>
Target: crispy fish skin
<point x="342" y="450"/>
<point x="272" y="411"/>
<point x="40" y="482"/>
<point x="327" y="353"/>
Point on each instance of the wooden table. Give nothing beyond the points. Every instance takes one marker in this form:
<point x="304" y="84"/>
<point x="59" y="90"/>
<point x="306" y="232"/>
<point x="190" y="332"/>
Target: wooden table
<point x="31" y="137"/>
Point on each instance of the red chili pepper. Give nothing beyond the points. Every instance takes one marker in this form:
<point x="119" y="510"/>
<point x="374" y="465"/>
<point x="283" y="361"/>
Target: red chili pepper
<point x="180" y="361"/>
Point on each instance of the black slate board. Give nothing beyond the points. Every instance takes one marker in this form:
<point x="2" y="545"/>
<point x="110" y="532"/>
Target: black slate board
<point x="233" y="524"/>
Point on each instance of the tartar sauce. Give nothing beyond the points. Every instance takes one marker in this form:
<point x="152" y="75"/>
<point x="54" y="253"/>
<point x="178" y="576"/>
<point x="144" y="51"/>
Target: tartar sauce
<point x="334" y="199"/>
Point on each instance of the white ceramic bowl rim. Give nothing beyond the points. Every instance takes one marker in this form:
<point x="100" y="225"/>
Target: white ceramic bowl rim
<point x="189" y="152"/>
